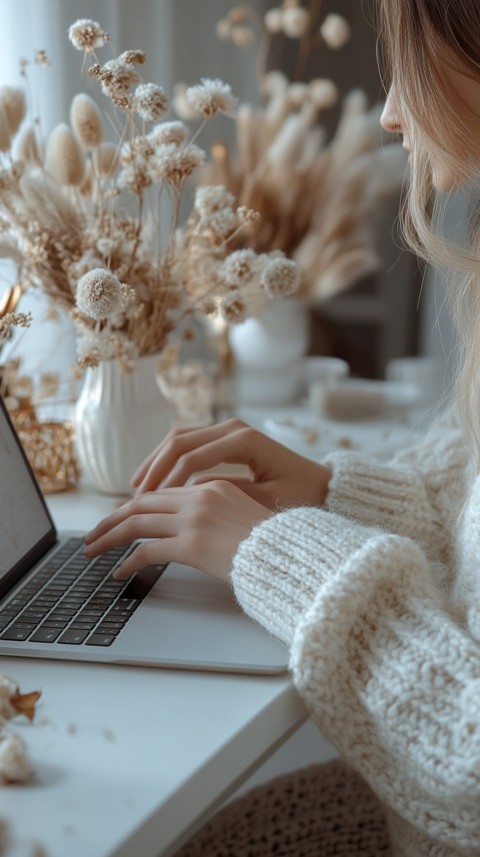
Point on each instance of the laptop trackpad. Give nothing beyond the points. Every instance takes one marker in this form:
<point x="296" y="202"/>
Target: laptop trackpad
<point x="191" y="620"/>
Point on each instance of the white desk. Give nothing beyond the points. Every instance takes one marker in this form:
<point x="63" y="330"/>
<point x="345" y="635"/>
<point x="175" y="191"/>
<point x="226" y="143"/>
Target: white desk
<point x="130" y="760"/>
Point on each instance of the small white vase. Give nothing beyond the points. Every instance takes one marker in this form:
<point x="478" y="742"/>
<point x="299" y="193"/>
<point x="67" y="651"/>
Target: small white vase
<point x="119" y="419"/>
<point x="269" y="351"/>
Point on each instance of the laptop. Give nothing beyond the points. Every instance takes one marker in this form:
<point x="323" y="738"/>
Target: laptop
<point x="56" y="603"/>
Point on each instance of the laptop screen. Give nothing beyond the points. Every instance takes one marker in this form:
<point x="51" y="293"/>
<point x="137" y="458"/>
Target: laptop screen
<point x="26" y="529"/>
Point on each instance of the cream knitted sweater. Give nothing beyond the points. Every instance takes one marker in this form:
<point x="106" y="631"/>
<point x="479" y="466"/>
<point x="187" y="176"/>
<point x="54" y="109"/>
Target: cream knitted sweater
<point x="378" y="598"/>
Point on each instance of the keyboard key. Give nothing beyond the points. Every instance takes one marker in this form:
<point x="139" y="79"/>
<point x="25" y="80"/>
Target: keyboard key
<point x="100" y="640"/>
<point x="73" y="637"/>
<point x="45" y="635"/>
<point x="16" y="633"/>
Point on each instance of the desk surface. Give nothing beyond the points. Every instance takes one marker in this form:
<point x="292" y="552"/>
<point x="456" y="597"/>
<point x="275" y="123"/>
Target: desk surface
<point x="128" y="760"/>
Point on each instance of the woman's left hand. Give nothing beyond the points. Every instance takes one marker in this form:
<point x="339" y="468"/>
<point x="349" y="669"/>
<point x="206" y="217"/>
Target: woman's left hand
<point x="201" y="526"/>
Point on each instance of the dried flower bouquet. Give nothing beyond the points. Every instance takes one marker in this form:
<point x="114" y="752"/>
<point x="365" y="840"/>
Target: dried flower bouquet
<point x="319" y="200"/>
<point x="81" y="216"/>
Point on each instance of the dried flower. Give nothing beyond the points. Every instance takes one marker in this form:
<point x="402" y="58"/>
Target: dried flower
<point x="174" y="165"/>
<point x="105" y="160"/>
<point x="274" y="20"/>
<point x="168" y="132"/>
<point x="233" y="307"/>
<point x="213" y="198"/>
<point x="28" y="149"/>
<point x="86" y="121"/>
<point x="295" y="21"/>
<point x="99" y="293"/>
<point x="133" y="57"/>
<point x="13" y="319"/>
<point x="64" y="156"/>
<point x="13" y="105"/>
<point x="240" y="267"/>
<point x="14" y="764"/>
<point x="335" y="31"/>
<point x="211" y="97"/>
<point x="86" y="35"/>
<point x="324" y="93"/>
<point x="150" y="102"/>
<point x="280" y="278"/>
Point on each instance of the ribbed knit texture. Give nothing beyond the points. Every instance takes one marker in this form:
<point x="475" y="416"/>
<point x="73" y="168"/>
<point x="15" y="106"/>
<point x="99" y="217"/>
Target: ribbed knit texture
<point x="383" y="626"/>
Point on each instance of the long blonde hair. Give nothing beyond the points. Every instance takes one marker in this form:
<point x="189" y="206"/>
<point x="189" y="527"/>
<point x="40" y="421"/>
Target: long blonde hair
<point x="423" y="42"/>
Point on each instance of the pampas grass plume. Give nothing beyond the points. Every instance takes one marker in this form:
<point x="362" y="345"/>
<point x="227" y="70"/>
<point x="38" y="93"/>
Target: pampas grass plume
<point x="64" y="156"/>
<point x="27" y="147"/>
<point x="14" y="105"/>
<point x="86" y="121"/>
<point x="105" y="160"/>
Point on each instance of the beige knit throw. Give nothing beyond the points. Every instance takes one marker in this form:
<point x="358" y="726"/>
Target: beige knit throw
<point x="321" y="811"/>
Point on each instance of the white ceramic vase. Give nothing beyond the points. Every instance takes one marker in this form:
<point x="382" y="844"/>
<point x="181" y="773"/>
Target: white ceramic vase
<point x="268" y="350"/>
<point x="119" y="419"/>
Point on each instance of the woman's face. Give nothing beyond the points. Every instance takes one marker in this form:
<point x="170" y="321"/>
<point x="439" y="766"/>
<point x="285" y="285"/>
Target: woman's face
<point x="464" y="93"/>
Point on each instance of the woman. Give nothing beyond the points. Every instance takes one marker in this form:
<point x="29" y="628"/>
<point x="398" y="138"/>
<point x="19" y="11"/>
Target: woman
<point x="369" y="572"/>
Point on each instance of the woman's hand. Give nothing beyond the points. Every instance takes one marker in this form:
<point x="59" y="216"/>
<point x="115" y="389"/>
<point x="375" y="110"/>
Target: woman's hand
<point x="279" y="477"/>
<point x="201" y="526"/>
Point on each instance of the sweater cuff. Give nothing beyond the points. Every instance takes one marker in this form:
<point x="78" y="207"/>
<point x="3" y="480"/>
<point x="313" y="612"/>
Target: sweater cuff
<point x="279" y="568"/>
<point x="374" y="493"/>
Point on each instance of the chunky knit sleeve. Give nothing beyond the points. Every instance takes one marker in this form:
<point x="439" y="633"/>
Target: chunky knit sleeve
<point x="417" y="494"/>
<point x="392" y="681"/>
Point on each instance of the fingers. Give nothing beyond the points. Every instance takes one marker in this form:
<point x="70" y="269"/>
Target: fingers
<point x="187" y="452"/>
<point x="139" y="506"/>
<point x="132" y="528"/>
<point x="142" y="470"/>
<point x="155" y="552"/>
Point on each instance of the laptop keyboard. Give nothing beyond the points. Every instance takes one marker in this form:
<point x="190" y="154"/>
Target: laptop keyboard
<point x="74" y="600"/>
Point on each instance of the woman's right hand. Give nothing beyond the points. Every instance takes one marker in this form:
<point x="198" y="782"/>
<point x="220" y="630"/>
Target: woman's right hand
<point x="279" y="477"/>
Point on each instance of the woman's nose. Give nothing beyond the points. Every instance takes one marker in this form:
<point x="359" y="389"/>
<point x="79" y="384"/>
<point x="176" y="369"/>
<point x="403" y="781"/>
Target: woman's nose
<point x="390" y="119"/>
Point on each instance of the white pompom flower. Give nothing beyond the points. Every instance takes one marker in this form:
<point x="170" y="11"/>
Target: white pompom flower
<point x="150" y="102"/>
<point x="14" y="764"/>
<point x="211" y="96"/>
<point x="87" y="35"/>
<point x="99" y="294"/>
<point x="335" y="31"/>
<point x="280" y="277"/>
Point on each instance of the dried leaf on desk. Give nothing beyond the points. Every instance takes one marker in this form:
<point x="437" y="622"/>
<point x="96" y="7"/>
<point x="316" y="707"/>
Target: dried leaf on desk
<point x="24" y="703"/>
<point x="14" y="764"/>
<point x="13" y="703"/>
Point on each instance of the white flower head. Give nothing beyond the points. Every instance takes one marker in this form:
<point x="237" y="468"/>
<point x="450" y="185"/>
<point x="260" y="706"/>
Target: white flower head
<point x="280" y="277"/>
<point x="232" y="307"/>
<point x="118" y="76"/>
<point x="240" y="267"/>
<point x="172" y="164"/>
<point x="335" y="31"/>
<point x="274" y="20"/>
<point x="150" y="102"/>
<point x="168" y="132"/>
<point x="323" y="92"/>
<point x="211" y="96"/>
<point x="99" y="293"/>
<point x="211" y="198"/>
<point x="295" y="21"/>
<point x="87" y="35"/>
<point x="14" y="764"/>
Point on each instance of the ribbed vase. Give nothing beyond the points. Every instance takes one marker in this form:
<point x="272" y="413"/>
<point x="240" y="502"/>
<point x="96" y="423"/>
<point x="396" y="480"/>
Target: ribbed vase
<point x="120" y="417"/>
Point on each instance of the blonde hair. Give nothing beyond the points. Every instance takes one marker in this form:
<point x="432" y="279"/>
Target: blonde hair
<point x="423" y="42"/>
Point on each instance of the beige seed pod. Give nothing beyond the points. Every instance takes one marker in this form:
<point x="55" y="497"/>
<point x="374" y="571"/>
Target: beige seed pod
<point x="105" y="160"/>
<point x="64" y="156"/>
<point x="5" y="138"/>
<point x="14" y="105"/>
<point x="86" y="121"/>
<point x="86" y="187"/>
<point x="27" y="147"/>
